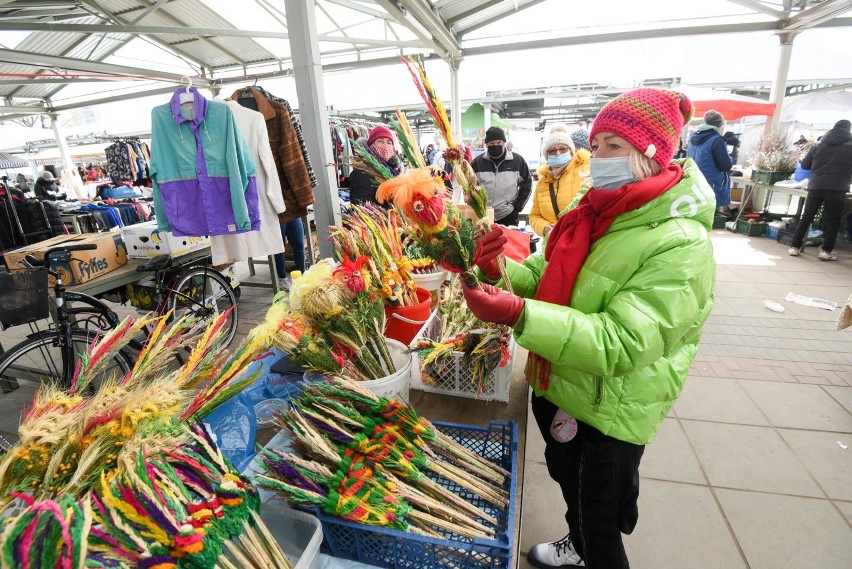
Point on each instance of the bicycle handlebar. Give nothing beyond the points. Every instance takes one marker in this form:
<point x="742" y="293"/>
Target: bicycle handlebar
<point x="59" y="253"/>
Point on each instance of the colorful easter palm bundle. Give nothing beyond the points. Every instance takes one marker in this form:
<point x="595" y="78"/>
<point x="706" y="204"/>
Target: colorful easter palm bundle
<point x="410" y="147"/>
<point x="374" y="232"/>
<point x="333" y="321"/>
<point x="175" y="503"/>
<point x="68" y="441"/>
<point x="125" y="477"/>
<point x="366" y="459"/>
<point x="183" y="506"/>
<point x="475" y="194"/>
<point x="436" y="226"/>
<point x="484" y="346"/>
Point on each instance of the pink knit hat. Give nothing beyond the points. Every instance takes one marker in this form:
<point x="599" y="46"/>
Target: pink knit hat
<point x="380" y="131"/>
<point x="650" y="119"/>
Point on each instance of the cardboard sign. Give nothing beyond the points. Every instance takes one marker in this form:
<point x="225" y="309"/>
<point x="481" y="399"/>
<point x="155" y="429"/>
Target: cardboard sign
<point x="145" y="241"/>
<point x="84" y="265"/>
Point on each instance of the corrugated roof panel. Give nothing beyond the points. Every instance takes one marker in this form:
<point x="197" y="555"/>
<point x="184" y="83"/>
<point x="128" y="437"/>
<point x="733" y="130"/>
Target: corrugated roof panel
<point x="96" y="46"/>
<point x="50" y="43"/>
<point x="6" y="90"/>
<point x="123" y="6"/>
<point x="205" y="52"/>
<point x="162" y="19"/>
<point x="449" y="9"/>
<point x="502" y="9"/>
<point x="195" y="14"/>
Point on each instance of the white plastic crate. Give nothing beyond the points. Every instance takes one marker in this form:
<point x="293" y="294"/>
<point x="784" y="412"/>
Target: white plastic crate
<point x="454" y="378"/>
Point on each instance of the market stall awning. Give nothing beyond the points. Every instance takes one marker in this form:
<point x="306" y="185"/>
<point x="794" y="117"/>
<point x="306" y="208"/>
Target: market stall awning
<point x="729" y="105"/>
<point x="12" y="161"/>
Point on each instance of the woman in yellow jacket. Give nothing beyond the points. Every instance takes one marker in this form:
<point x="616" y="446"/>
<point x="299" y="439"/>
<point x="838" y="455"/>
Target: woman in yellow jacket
<point x="559" y="180"/>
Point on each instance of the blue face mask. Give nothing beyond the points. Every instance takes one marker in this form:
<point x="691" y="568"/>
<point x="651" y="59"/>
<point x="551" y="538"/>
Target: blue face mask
<point x="610" y="173"/>
<point x="558" y="160"/>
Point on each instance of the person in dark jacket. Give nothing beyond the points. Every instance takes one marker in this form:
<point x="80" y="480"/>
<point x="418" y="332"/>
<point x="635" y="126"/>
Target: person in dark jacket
<point x="710" y="152"/>
<point x="45" y="187"/>
<point x="362" y="187"/>
<point x="830" y="163"/>
<point x="733" y="141"/>
<point x="505" y="175"/>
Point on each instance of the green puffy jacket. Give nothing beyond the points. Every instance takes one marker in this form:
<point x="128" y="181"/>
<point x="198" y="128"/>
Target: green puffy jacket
<point x="622" y="350"/>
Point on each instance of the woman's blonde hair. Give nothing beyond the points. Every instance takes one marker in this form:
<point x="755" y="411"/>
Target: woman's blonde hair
<point x="642" y="166"/>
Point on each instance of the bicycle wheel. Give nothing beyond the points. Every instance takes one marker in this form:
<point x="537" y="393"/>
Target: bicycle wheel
<point x="205" y="294"/>
<point x="39" y="358"/>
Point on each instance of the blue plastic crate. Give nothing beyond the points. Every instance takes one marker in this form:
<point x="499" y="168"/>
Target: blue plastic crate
<point x="391" y="548"/>
<point x="772" y="232"/>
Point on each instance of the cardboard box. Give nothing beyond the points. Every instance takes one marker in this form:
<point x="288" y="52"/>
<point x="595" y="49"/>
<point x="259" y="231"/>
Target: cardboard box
<point x="145" y="241"/>
<point x="84" y="265"/>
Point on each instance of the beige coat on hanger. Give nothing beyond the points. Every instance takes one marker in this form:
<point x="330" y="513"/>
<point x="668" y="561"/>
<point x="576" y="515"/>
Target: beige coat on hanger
<point x="267" y="241"/>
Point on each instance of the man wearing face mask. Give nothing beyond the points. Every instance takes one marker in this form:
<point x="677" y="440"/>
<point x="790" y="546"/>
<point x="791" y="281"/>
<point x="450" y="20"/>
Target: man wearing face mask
<point x="611" y="312"/>
<point x="362" y="187"/>
<point x="505" y="175"/>
<point x="708" y="148"/>
<point x="560" y="178"/>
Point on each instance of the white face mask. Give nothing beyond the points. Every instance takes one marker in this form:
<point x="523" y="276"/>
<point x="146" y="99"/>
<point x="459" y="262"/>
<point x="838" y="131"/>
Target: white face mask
<point x="610" y="173"/>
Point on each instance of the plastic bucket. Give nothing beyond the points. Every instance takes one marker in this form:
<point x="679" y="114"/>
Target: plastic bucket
<point x="432" y="283"/>
<point x="394" y="386"/>
<point x="403" y="322"/>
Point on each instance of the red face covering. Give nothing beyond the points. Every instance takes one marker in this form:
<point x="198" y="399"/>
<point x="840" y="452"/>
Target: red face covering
<point x="383" y="149"/>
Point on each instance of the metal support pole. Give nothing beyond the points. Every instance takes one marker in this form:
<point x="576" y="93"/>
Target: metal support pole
<point x="455" y="100"/>
<point x="70" y="177"/>
<point x="307" y="69"/>
<point x="779" y="84"/>
<point x="486" y="116"/>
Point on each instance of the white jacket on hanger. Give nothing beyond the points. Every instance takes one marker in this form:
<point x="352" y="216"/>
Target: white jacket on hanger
<point x="267" y="241"/>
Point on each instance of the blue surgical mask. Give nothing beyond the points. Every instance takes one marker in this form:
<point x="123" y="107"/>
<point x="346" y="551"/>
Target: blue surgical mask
<point x="559" y="160"/>
<point x="610" y="173"/>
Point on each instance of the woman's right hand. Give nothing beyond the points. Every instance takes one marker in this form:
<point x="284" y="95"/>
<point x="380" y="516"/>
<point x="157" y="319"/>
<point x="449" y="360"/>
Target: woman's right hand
<point x="488" y="247"/>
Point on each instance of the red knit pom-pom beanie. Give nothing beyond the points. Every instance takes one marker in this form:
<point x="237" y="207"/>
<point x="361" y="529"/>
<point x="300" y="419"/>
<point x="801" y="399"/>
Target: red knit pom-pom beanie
<point x="648" y="118"/>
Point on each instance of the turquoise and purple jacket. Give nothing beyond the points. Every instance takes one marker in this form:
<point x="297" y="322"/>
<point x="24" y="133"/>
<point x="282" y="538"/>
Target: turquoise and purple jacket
<point x="203" y="173"/>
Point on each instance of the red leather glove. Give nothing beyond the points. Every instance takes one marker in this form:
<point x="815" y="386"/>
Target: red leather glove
<point x="493" y="304"/>
<point x="488" y="248"/>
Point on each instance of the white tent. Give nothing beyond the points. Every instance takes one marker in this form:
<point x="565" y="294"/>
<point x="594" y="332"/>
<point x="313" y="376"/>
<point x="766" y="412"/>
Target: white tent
<point x="818" y="110"/>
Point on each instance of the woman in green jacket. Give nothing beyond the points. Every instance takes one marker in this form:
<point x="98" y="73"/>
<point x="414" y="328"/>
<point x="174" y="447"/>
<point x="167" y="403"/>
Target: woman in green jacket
<point x="611" y="312"/>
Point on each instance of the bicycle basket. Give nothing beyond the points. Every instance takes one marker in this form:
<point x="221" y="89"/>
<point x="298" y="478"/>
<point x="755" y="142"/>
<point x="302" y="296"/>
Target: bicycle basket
<point x="23" y="297"/>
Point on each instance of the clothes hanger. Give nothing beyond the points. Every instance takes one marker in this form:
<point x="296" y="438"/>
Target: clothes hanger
<point x="247" y="91"/>
<point x="186" y="96"/>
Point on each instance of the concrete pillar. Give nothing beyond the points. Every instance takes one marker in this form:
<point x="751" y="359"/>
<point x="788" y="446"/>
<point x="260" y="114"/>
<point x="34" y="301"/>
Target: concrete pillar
<point x="486" y="115"/>
<point x="779" y="84"/>
<point x="455" y="100"/>
<point x="307" y="70"/>
<point x="70" y="178"/>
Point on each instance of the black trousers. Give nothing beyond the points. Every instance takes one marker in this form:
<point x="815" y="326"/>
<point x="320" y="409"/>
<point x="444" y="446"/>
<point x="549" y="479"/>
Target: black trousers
<point x="599" y="478"/>
<point x="509" y="220"/>
<point x="835" y="201"/>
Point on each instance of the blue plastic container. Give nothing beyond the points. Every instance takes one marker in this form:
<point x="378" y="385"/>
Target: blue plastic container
<point x="391" y="548"/>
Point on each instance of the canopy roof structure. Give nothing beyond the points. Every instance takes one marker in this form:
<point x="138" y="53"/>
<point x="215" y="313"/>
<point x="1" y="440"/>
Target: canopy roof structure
<point x="63" y="54"/>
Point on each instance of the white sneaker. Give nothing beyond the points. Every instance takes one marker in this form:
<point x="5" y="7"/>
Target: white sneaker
<point x="827" y="255"/>
<point x="793" y="251"/>
<point x="284" y="283"/>
<point x="555" y="554"/>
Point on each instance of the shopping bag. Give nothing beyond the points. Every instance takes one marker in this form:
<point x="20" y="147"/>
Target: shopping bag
<point x="518" y="245"/>
<point x="845" y="318"/>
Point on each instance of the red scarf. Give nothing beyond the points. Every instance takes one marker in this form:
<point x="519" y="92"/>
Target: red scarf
<point x="569" y="242"/>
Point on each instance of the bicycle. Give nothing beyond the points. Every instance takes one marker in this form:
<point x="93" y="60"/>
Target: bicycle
<point x="195" y="290"/>
<point x="50" y="354"/>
